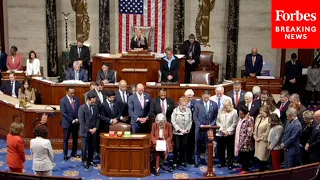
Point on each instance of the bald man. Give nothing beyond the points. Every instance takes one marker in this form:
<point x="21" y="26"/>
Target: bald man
<point x="122" y="95"/>
<point x="253" y="63"/>
<point x="313" y="145"/>
<point x="139" y="108"/>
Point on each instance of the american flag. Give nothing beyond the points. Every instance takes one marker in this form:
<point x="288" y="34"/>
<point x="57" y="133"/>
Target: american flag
<point x="142" y="13"/>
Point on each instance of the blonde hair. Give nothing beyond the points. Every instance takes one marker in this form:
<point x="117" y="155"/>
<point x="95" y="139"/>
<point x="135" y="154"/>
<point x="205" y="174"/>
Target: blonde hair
<point x="135" y="35"/>
<point x="16" y="128"/>
<point x="308" y="115"/>
<point x="183" y="100"/>
<point x="227" y="103"/>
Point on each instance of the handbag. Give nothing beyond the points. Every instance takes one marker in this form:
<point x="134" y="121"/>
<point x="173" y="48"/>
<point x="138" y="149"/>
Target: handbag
<point x="161" y="145"/>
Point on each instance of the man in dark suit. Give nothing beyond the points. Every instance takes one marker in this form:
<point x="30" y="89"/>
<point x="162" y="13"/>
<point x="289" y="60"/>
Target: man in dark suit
<point x="295" y="98"/>
<point x="69" y="106"/>
<point x="109" y="112"/>
<point x="205" y="113"/>
<point x="283" y="105"/>
<point x="253" y="63"/>
<point x="106" y="75"/>
<point x="3" y="60"/>
<point x="192" y="50"/>
<point x="99" y="93"/>
<point x="237" y="94"/>
<point x="293" y="74"/>
<point x="77" y="73"/>
<point x="139" y="108"/>
<point x="122" y="95"/>
<point x="80" y="52"/>
<point x="253" y="106"/>
<point x="88" y="116"/>
<point x="313" y="145"/>
<point x="291" y="139"/>
<point x="162" y="104"/>
<point x="11" y="87"/>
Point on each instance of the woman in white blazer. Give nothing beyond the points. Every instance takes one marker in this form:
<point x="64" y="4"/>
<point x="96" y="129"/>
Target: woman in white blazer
<point x="227" y="121"/>
<point x="41" y="151"/>
<point x="33" y="64"/>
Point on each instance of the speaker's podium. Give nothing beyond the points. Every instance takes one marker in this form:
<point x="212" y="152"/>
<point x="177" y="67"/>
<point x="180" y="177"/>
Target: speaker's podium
<point x="211" y="133"/>
<point x="125" y="156"/>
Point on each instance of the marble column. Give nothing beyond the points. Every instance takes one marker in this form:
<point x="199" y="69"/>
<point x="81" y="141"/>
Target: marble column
<point x="178" y="24"/>
<point x="104" y="26"/>
<point x="52" y="52"/>
<point x="232" y="40"/>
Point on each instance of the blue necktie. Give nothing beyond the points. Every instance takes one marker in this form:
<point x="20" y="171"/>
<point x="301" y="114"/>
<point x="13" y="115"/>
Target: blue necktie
<point x="207" y="108"/>
<point x="91" y="109"/>
<point x="219" y="103"/>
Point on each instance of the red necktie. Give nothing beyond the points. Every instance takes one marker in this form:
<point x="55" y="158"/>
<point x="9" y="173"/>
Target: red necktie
<point x="163" y="109"/>
<point x="237" y="98"/>
<point x="281" y="107"/>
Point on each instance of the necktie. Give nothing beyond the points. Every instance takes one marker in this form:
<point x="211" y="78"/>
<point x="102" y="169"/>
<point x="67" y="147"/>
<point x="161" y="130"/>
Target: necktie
<point x="111" y="107"/>
<point x="281" y="107"/>
<point x="141" y="101"/>
<point x="219" y="103"/>
<point x="77" y="75"/>
<point x="91" y="109"/>
<point x="124" y="97"/>
<point x="237" y="98"/>
<point x="72" y="104"/>
<point x="13" y="93"/>
<point x="79" y="52"/>
<point x="105" y="75"/>
<point x="163" y="109"/>
<point x="207" y="108"/>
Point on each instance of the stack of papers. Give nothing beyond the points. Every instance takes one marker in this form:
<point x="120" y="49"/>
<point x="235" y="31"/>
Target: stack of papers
<point x="73" y="82"/>
<point x="266" y="77"/>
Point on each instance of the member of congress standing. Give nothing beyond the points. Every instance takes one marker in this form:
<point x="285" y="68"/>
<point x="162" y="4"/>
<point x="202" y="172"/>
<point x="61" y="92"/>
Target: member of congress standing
<point x="33" y="64"/>
<point x="205" y="113"/>
<point x="16" y="155"/>
<point x="139" y="108"/>
<point x="26" y="92"/>
<point x="308" y="127"/>
<point x="253" y="106"/>
<point x="313" y="83"/>
<point x="139" y="42"/>
<point x="41" y="152"/>
<point x="80" y="52"/>
<point x="77" y="73"/>
<point x="256" y="91"/>
<point x="69" y="106"/>
<point x="106" y="75"/>
<point x="11" y="87"/>
<point x="88" y="116"/>
<point x="14" y="61"/>
<point x="295" y="98"/>
<point x="98" y="93"/>
<point x="122" y="95"/>
<point x="253" y="63"/>
<point x="181" y="120"/>
<point x="3" y="59"/>
<point x="169" y="67"/>
<point x="237" y="94"/>
<point x="109" y="112"/>
<point x="192" y="50"/>
<point x="219" y="97"/>
<point x="293" y="74"/>
<point x="162" y="104"/>
<point x="291" y="139"/>
<point x="283" y="105"/>
<point x="313" y="145"/>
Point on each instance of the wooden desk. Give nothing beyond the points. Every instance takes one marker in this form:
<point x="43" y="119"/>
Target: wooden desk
<point x="20" y="76"/>
<point x="125" y="156"/>
<point x="30" y="116"/>
<point x="273" y="86"/>
<point x="51" y="93"/>
<point x="118" y="62"/>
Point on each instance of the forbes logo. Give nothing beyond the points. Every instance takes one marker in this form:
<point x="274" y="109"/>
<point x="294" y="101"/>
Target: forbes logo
<point x="281" y="15"/>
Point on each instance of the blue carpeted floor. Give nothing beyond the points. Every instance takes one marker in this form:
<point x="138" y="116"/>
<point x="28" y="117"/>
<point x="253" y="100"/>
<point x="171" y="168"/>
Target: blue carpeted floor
<point x="73" y="167"/>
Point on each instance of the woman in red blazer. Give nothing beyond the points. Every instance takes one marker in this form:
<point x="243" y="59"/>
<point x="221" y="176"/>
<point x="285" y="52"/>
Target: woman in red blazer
<point x="161" y="130"/>
<point x="16" y="155"/>
<point x="14" y="61"/>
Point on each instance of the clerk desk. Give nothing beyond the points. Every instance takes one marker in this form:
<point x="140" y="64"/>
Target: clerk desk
<point x="51" y="93"/>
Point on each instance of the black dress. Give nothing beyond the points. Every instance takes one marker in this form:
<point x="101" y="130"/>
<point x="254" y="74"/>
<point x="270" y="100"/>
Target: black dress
<point x="137" y="43"/>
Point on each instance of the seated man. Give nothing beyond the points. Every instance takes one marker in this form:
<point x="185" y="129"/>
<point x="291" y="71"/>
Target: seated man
<point x="253" y="63"/>
<point x="77" y="73"/>
<point x="11" y="87"/>
<point x="105" y="75"/>
<point x="139" y="42"/>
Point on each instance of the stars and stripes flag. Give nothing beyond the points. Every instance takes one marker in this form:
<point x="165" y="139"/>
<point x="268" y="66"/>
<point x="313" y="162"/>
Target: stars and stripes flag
<point x="142" y="13"/>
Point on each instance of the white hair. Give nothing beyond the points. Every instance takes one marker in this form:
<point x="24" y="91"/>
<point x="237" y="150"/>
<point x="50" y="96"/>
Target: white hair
<point x="295" y="96"/>
<point x="291" y="111"/>
<point x="256" y="90"/>
<point x="248" y="94"/>
<point x="220" y="88"/>
<point x="189" y="92"/>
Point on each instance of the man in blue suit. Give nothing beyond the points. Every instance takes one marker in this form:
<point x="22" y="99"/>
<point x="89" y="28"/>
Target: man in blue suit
<point x="291" y="139"/>
<point x="77" y="73"/>
<point x="139" y="108"/>
<point x="253" y="63"/>
<point x="69" y="106"/>
<point x="205" y="113"/>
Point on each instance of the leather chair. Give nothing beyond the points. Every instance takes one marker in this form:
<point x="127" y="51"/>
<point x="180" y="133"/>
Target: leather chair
<point x="201" y="77"/>
<point x="120" y="127"/>
<point x="206" y="64"/>
<point x="147" y="32"/>
<point x="115" y="76"/>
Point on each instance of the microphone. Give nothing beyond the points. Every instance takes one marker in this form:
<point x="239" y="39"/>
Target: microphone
<point x="54" y="108"/>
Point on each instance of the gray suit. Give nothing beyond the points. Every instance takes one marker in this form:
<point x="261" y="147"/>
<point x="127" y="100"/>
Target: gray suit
<point x="241" y="97"/>
<point x="42" y="155"/>
<point x="313" y="78"/>
<point x="108" y="76"/>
